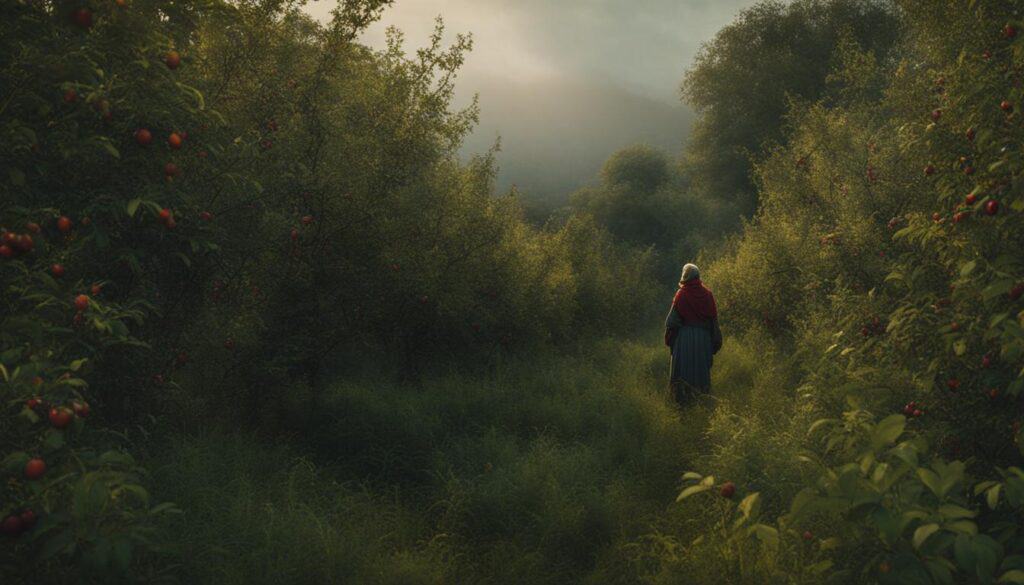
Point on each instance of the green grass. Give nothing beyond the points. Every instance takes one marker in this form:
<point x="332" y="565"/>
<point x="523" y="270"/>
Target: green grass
<point x="550" y="469"/>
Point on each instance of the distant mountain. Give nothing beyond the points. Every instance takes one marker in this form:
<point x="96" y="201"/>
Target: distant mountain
<point x="555" y="135"/>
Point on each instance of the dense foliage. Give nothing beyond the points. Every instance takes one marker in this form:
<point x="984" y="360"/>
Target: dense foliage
<point x="886" y="258"/>
<point x="204" y="201"/>
<point x="744" y="81"/>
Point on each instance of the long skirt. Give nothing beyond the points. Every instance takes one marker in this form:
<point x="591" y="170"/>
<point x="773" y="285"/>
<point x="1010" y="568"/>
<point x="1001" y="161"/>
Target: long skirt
<point x="692" y="359"/>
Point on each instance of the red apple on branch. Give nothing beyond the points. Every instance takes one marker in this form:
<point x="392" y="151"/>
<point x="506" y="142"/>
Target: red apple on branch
<point x="35" y="468"/>
<point x="172" y="59"/>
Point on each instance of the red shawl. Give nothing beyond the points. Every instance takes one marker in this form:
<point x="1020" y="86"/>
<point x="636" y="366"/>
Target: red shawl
<point x="694" y="302"/>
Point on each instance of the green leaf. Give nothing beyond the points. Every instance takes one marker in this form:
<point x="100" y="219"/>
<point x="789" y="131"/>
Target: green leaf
<point x="968" y="268"/>
<point x="693" y="489"/>
<point x="963" y="552"/>
<point x="820" y="567"/>
<point x="691" y="475"/>
<point x="992" y="496"/>
<point x="960" y="347"/>
<point x="888" y="430"/>
<point x="953" y="511"/>
<point x="923" y="532"/>
<point x="962" y="527"/>
<point x="165" y="508"/>
<point x="768" y="535"/>
<point x="819" y="423"/>
<point x="930" y="479"/>
<point x="830" y="543"/>
<point x="133" y="206"/>
<point x="1014" y="576"/>
<point x="748" y="507"/>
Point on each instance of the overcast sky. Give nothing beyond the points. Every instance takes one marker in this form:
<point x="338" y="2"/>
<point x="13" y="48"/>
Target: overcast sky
<point x="629" y="51"/>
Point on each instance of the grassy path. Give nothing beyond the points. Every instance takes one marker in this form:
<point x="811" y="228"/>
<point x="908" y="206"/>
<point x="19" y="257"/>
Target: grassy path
<point x="549" y="470"/>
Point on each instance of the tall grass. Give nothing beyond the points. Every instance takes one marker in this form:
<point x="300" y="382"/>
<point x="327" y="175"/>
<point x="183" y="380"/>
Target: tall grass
<point x="545" y="470"/>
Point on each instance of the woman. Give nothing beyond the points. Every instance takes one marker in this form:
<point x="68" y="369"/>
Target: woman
<point x="693" y="335"/>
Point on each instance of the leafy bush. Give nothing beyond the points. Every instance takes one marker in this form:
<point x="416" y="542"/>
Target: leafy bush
<point x="886" y="258"/>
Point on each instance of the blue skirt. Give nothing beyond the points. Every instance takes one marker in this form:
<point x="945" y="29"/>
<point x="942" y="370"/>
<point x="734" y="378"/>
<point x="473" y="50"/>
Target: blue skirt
<point x="692" y="357"/>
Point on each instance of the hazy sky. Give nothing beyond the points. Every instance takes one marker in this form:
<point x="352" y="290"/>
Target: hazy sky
<point x="558" y="54"/>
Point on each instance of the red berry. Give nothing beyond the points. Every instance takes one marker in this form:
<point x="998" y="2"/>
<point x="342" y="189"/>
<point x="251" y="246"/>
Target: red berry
<point x="96" y="289"/>
<point x="971" y="199"/>
<point x="727" y="490"/>
<point x="294" y="234"/>
<point x="936" y="217"/>
<point x="60" y="417"/>
<point x="64" y="224"/>
<point x="992" y="207"/>
<point x="143" y="137"/>
<point x="953" y="383"/>
<point x="35" y="468"/>
<point x="164" y="215"/>
<point x="172" y="59"/>
<point x="81" y="408"/>
<point x="993" y="393"/>
<point x="205" y="216"/>
<point x="929" y="170"/>
<point x="171" y="224"/>
<point x="57" y="270"/>
<point x="171" y="170"/>
<point x="1015" y="293"/>
<point x="884" y="567"/>
<point x="81" y="303"/>
<point x="1006" y="106"/>
<point x="6" y="252"/>
<point x="24" y="243"/>
<point x="968" y="170"/>
<point x="1009" y="31"/>
<point x="174" y="140"/>
<point x="986" y="361"/>
<point x="986" y="54"/>
<point x="33" y="403"/>
<point x="917" y="413"/>
<point x="970" y="134"/>
<point x="33" y="227"/>
<point x="70" y="96"/>
<point x="958" y="216"/>
<point x="12" y="526"/>
<point x="936" y="114"/>
<point x="307" y="219"/>
<point x="229" y="344"/>
<point x="807" y="535"/>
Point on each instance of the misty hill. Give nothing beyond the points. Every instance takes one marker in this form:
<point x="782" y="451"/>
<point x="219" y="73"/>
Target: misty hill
<point x="555" y="135"/>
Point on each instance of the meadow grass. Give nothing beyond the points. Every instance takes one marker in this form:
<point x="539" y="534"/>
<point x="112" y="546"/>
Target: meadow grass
<point x="547" y="469"/>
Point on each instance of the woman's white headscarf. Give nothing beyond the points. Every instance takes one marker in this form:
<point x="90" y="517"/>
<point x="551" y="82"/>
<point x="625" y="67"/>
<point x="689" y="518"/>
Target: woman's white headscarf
<point x="690" y="272"/>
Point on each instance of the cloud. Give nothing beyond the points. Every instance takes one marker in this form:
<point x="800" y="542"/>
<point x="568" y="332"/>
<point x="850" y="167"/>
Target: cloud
<point x="643" y="46"/>
<point x="565" y="83"/>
